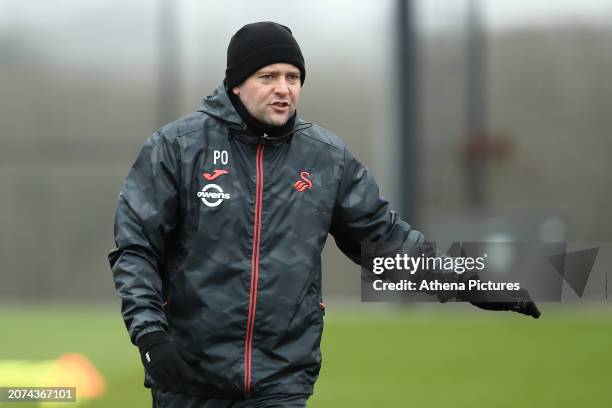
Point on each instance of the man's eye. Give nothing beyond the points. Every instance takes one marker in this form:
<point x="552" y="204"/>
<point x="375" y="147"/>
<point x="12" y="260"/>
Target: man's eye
<point x="293" y="77"/>
<point x="266" y="76"/>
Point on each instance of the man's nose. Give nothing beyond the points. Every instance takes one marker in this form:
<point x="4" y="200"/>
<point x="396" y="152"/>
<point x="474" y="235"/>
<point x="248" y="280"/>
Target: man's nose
<point x="282" y="87"/>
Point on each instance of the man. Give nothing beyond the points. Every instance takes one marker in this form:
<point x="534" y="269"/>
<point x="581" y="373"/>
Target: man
<point x="219" y="231"/>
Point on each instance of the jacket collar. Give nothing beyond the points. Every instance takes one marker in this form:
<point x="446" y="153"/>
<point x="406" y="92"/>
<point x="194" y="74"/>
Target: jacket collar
<point x="219" y="106"/>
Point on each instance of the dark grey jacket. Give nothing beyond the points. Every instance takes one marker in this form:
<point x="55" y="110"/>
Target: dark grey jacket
<point x="225" y="256"/>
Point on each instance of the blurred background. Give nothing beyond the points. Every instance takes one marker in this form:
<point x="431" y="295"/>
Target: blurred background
<point x="481" y="120"/>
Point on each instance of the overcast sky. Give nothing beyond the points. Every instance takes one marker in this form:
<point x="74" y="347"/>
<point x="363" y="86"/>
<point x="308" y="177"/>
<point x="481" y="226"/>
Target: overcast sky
<point x="339" y="12"/>
<point x="503" y="14"/>
<point x="72" y="31"/>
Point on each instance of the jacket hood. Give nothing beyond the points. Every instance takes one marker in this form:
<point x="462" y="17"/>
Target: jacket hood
<point x="219" y="105"/>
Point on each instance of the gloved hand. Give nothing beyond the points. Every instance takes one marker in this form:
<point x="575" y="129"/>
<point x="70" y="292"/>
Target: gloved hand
<point x="513" y="300"/>
<point x="162" y="360"/>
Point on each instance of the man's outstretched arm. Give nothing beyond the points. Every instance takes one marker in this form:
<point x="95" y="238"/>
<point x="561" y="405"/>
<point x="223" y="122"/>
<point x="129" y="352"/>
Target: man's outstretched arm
<point x="361" y="215"/>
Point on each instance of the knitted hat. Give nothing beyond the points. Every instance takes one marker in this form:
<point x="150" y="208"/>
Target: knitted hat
<point x="259" y="44"/>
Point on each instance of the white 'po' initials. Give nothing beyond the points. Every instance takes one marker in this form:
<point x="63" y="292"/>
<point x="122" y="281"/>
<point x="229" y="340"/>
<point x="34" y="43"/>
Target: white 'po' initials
<point x="220" y="155"/>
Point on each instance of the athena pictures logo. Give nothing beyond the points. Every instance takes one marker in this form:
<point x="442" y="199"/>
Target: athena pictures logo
<point x="212" y="195"/>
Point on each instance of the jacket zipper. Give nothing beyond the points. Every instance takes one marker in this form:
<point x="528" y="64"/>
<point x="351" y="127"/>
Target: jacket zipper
<point x="254" y="269"/>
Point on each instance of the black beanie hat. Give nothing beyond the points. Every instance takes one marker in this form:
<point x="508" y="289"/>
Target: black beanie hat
<point x="259" y="44"/>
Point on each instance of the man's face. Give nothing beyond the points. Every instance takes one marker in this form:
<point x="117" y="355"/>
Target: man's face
<point x="271" y="94"/>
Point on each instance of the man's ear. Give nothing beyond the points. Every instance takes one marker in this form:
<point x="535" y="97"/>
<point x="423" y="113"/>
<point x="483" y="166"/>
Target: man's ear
<point x="236" y="90"/>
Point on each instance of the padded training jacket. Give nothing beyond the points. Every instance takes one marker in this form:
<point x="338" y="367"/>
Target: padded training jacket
<point x="219" y="236"/>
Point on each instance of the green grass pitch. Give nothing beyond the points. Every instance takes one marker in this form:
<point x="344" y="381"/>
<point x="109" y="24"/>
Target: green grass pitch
<point x="444" y="357"/>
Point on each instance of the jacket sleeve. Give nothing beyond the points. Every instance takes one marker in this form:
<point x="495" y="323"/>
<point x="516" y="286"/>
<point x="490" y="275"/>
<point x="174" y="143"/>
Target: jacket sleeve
<point x="146" y="215"/>
<point x="362" y="215"/>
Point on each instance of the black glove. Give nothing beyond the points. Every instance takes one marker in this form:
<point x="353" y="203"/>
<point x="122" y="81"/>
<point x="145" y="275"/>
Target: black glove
<point x="162" y="360"/>
<point x="513" y="300"/>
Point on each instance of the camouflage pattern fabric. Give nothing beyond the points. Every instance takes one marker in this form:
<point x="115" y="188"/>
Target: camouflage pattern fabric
<point x="219" y="237"/>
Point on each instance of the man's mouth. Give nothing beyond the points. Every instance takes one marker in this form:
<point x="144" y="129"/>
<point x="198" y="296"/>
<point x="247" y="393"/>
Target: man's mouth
<point x="280" y="105"/>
